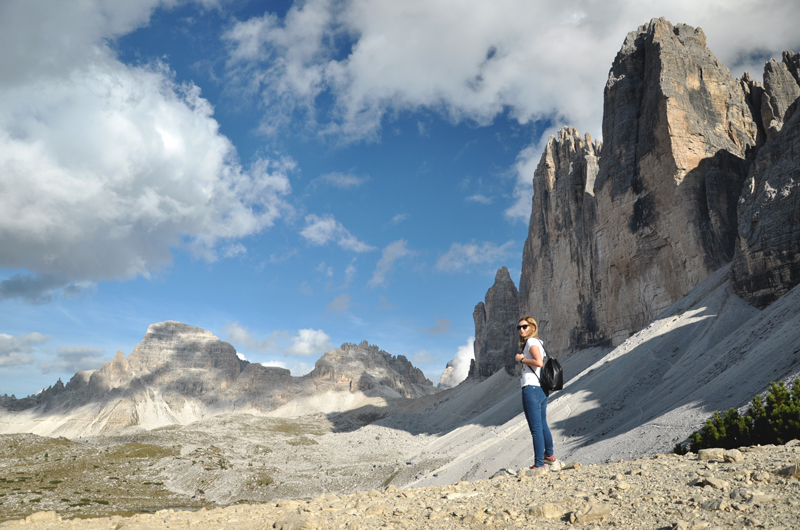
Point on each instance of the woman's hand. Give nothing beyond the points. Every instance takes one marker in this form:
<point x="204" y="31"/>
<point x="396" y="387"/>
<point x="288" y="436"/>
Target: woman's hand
<point x="519" y="357"/>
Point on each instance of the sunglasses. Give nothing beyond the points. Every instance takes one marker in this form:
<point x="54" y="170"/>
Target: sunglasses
<point x="525" y="326"/>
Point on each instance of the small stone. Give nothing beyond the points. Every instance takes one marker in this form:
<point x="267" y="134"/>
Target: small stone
<point x="711" y="454"/>
<point x="733" y="456"/>
<point x="762" y="477"/>
<point x="758" y="498"/>
<point x="623" y="486"/>
<point x="375" y="509"/>
<point x="547" y="510"/>
<point x="295" y="521"/>
<point x="573" y="465"/>
<point x="591" y="511"/>
<point x="792" y="443"/>
<point x="740" y="494"/>
<point x="42" y="517"/>
<point x="791" y="471"/>
<point x="715" y="505"/>
<point x="716" y="483"/>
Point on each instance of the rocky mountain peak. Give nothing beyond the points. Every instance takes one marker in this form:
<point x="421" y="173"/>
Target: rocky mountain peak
<point x="364" y="367"/>
<point x="696" y="169"/>
<point x="179" y="373"/>
<point x="495" y="338"/>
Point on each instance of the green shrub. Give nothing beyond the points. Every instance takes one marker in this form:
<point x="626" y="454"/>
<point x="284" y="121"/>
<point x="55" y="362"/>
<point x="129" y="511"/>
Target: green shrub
<point x="775" y="422"/>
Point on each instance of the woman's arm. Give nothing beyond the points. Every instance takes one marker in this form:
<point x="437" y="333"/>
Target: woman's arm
<point x="535" y="352"/>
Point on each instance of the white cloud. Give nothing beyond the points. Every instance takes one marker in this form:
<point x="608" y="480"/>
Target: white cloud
<point x="39" y="289"/>
<point x="339" y="180"/>
<point x="460" y="365"/>
<point x="525" y="165"/>
<point x="106" y="167"/>
<point x="309" y="342"/>
<point x="322" y="230"/>
<point x="399" y="218"/>
<point x="461" y="256"/>
<point x="72" y="359"/>
<point x="537" y="60"/>
<point x="481" y="199"/>
<point x="231" y="251"/>
<point x="392" y="253"/>
<point x="17" y="350"/>
<point x="325" y="269"/>
<point x="237" y="334"/>
<point x="303" y="343"/>
<point x="350" y="273"/>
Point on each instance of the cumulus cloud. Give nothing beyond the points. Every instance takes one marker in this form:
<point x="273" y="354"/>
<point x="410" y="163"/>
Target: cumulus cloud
<point x="106" y="167"/>
<point x="17" y="350"/>
<point x="536" y="60"/>
<point x="309" y="342"/>
<point x="459" y="366"/>
<point x="303" y="343"/>
<point x="71" y="359"/>
<point x="539" y="59"/>
<point x="461" y="256"/>
<point x="391" y="254"/>
<point x="324" y="229"/>
<point x="40" y="289"/>
<point x="238" y="334"/>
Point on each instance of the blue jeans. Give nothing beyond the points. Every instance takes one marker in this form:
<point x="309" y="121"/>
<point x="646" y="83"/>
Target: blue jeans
<point x="534" y="404"/>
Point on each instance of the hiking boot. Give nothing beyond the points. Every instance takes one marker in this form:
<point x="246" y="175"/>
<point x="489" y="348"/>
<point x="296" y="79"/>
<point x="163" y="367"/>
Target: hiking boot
<point x="550" y="459"/>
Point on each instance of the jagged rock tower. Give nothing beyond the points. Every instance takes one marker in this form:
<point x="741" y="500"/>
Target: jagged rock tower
<point x="495" y="339"/>
<point x="697" y="169"/>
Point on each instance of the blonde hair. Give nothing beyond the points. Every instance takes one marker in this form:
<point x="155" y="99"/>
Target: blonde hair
<point x="533" y="333"/>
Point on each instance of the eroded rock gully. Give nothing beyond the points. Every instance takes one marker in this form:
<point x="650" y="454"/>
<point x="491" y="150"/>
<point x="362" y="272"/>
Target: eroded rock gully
<point x="755" y="487"/>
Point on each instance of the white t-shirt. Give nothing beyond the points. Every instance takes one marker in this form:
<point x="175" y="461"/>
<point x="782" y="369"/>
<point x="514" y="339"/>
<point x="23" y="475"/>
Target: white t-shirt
<point x="528" y="376"/>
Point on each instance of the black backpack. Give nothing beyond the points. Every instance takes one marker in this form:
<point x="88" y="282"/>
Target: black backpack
<point x="552" y="376"/>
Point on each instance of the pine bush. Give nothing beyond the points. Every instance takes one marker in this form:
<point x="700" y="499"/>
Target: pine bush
<point x="775" y="422"/>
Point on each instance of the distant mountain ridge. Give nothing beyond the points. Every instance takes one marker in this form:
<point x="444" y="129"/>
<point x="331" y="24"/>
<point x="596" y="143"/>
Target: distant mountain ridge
<point x="180" y="373"/>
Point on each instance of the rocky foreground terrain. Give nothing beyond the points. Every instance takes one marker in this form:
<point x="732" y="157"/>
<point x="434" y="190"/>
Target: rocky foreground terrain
<point x="753" y="487"/>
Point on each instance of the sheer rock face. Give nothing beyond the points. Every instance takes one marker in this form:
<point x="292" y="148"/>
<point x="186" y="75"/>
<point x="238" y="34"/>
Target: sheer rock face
<point x="180" y="373"/>
<point x="781" y="90"/>
<point x="617" y="236"/>
<point x="677" y="131"/>
<point x="495" y="333"/>
<point x="767" y="261"/>
<point x="555" y="284"/>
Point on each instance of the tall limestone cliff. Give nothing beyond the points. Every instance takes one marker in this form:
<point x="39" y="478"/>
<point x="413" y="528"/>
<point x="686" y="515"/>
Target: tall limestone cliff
<point x="556" y="281"/>
<point x="697" y="169"/>
<point x="767" y="261"/>
<point x="495" y="338"/>
<point x="617" y="236"/>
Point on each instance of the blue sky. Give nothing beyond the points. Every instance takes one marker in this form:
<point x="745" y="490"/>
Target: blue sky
<point x="291" y="175"/>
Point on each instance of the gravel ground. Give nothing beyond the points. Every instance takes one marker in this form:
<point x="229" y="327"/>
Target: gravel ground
<point x="754" y="487"/>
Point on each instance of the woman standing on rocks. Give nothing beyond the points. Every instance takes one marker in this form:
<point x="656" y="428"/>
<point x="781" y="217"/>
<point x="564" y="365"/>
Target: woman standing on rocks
<point x="534" y="400"/>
